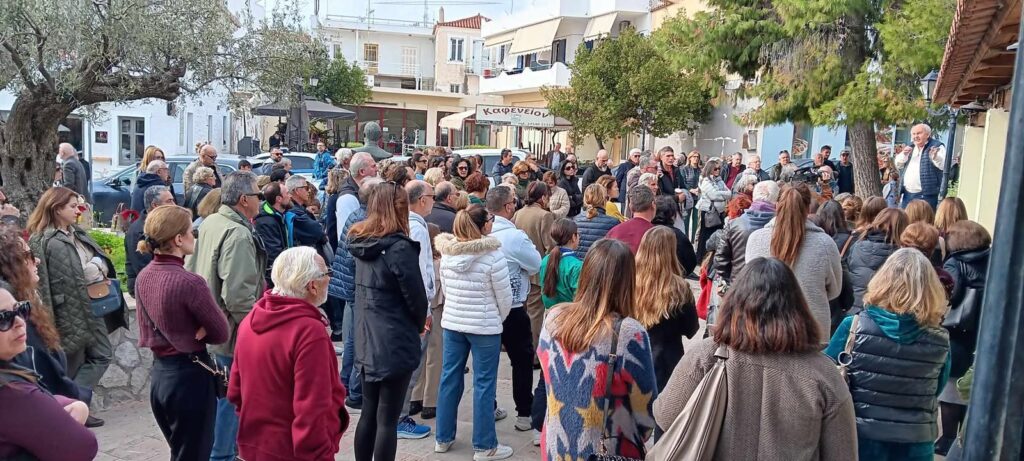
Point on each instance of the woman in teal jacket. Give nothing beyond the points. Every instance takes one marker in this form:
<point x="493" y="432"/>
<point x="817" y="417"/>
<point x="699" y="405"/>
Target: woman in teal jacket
<point x="560" y="268"/>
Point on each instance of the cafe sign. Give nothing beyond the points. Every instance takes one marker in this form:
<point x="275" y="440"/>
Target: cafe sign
<point x="536" y="117"/>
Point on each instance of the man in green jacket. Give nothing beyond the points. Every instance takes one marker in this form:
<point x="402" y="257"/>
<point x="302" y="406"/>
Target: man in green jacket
<point x="231" y="257"/>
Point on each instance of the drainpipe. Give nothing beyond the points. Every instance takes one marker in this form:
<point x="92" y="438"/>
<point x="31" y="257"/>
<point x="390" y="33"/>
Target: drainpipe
<point x="994" y="418"/>
<point x="950" y="144"/>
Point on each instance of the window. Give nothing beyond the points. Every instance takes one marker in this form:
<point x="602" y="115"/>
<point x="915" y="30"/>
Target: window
<point x="133" y="139"/>
<point x="558" y="51"/>
<point x="209" y="129"/>
<point x="502" y="51"/>
<point x="337" y="51"/>
<point x="456" y="49"/>
<point x="181" y="130"/>
<point x="455" y="88"/>
<point x="370" y="54"/>
<point x="410" y="60"/>
<point x="224" y="130"/>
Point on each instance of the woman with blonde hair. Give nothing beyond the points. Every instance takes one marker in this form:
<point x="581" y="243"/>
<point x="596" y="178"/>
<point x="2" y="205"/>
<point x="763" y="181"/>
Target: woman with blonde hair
<point x="612" y="189"/>
<point x="576" y="344"/>
<point x="664" y="302"/>
<point x="434" y="176"/>
<point x="595" y="223"/>
<point x="478" y="298"/>
<point x="920" y="211"/>
<point x="178" y="318"/>
<point x="950" y="210"/>
<point x="208" y="206"/>
<point x="898" y="361"/>
<point x="524" y="176"/>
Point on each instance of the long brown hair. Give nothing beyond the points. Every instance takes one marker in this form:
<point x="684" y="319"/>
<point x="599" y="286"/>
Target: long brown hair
<point x="891" y="222"/>
<point x="45" y="214"/>
<point x="15" y="258"/>
<point x="872" y="206"/>
<point x="164" y="223"/>
<point x="660" y="288"/>
<point x="920" y="211"/>
<point x="766" y="312"/>
<point x="790" y="223"/>
<point x="594" y="197"/>
<point x="562" y="232"/>
<point x="950" y="211"/>
<point x="605" y="288"/>
<point x="386" y="213"/>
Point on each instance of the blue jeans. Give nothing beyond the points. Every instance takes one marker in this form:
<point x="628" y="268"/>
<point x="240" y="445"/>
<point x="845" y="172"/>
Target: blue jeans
<point x="351" y="377"/>
<point x="486" y="351"/>
<point x="908" y="197"/>
<point x="225" y="431"/>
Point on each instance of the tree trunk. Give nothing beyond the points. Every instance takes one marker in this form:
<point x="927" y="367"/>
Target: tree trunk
<point x="865" y="164"/>
<point x="28" y="147"/>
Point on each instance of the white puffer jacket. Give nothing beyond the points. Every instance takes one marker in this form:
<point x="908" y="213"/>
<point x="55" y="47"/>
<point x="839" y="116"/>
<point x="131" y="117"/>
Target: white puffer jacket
<point x="475" y="279"/>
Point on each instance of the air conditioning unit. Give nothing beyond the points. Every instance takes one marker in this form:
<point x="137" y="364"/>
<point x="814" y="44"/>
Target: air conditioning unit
<point x="369" y="80"/>
<point x="623" y="25"/>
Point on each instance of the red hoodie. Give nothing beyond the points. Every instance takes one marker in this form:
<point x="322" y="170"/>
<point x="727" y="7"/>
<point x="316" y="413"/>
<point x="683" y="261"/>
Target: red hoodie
<point x="285" y="384"/>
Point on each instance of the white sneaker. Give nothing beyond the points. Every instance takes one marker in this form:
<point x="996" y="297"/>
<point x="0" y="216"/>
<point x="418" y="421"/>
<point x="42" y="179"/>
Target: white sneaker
<point x="443" y="447"/>
<point x="523" y="423"/>
<point x="496" y="453"/>
<point x="536" y="438"/>
<point x="500" y="414"/>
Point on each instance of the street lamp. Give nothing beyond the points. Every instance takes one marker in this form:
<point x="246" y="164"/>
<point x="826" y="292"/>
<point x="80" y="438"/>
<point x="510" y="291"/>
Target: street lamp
<point x="928" y="85"/>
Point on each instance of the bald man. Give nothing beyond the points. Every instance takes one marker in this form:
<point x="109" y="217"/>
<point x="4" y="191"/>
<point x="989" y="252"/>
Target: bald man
<point x="75" y="175"/>
<point x="207" y="158"/>
<point x="920" y="166"/>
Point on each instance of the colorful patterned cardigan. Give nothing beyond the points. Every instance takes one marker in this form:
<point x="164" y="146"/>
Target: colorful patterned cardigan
<point x="576" y="384"/>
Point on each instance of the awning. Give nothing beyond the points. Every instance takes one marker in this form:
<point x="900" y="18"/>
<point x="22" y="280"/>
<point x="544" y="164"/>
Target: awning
<point x="315" y="109"/>
<point x="454" y="121"/>
<point x="977" y="59"/>
<point x="535" y="38"/>
<point x="600" y="26"/>
<point x="500" y="39"/>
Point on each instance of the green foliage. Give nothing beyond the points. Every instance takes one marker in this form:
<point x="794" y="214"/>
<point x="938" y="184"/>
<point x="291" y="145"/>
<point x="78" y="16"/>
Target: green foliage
<point x="113" y="245"/>
<point x="815" y="60"/>
<point x="341" y="83"/>
<point x="623" y="86"/>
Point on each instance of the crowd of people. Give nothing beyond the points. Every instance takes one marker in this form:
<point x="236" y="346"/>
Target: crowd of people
<point x="247" y="296"/>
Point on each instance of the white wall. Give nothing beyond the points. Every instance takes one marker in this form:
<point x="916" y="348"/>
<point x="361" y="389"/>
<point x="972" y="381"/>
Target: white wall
<point x="389" y="49"/>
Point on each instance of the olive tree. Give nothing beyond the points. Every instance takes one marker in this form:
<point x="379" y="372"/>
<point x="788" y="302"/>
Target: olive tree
<point x="59" y="56"/>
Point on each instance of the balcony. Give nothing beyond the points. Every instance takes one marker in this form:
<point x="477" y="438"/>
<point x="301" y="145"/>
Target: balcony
<point x="524" y="81"/>
<point x="396" y="69"/>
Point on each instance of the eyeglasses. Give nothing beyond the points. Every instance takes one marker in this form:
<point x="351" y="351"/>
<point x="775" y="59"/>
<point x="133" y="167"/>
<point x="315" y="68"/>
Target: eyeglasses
<point x="21" y="309"/>
<point x="328" y="273"/>
<point x="490" y="217"/>
<point x="211" y="157"/>
<point x="258" y="195"/>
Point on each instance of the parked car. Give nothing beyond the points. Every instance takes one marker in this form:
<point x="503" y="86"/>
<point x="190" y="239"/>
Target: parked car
<point x="302" y="162"/>
<point x="116" y="188"/>
<point x="491" y="156"/>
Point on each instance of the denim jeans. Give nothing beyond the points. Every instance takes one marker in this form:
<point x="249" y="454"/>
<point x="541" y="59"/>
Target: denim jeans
<point x="351" y="377"/>
<point x="225" y="431"/>
<point x="908" y="197"/>
<point x="486" y="351"/>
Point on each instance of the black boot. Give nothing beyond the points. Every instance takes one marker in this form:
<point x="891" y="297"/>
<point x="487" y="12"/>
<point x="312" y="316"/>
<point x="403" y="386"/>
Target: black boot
<point x="415" y="407"/>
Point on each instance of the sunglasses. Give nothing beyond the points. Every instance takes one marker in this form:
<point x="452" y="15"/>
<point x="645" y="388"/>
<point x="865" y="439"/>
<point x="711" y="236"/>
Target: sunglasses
<point x="21" y="309"/>
<point x="570" y="168"/>
<point x="463" y="168"/>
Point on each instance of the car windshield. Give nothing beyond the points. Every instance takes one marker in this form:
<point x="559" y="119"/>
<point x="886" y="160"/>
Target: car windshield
<point x="126" y="172"/>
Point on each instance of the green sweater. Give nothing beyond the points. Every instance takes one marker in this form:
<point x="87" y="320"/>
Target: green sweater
<point x="569" y="267"/>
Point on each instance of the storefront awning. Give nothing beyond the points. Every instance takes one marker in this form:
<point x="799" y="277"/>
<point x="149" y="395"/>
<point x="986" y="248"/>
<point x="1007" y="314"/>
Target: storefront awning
<point x="979" y="57"/>
<point x="454" y="121"/>
<point x="500" y="39"/>
<point x="535" y="38"/>
<point x="600" y="26"/>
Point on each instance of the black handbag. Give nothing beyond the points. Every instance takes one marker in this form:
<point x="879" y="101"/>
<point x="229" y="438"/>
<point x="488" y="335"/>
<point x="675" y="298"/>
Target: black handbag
<point x="964" y="316"/>
<point x="613" y="360"/>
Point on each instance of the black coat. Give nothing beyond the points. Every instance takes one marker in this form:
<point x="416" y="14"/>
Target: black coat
<point x="593" y="174"/>
<point x="620" y="178"/>
<point x="391" y="306"/>
<point x="568" y="183"/>
<point x="142" y="184"/>
<point x="195" y="195"/>
<point x="863" y="259"/>
<point x="668" y="183"/>
<point x="968" y="269"/>
<point x="442" y="216"/>
<point x="684" y="249"/>
<point x="135" y="261"/>
<point x="329" y="217"/>
<point x="51" y="366"/>
<point x="667" y="341"/>
<point x="270" y="226"/>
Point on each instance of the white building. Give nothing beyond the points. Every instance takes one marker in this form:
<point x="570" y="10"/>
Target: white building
<point x="119" y="136"/>
<point x="419" y="72"/>
<point x="531" y="50"/>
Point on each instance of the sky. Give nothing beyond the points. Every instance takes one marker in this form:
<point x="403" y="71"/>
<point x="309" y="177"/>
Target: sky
<point x="413" y="11"/>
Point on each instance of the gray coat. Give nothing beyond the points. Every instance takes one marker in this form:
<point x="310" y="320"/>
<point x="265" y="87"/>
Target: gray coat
<point x="817" y="268"/>
<point x="75" y="177"/>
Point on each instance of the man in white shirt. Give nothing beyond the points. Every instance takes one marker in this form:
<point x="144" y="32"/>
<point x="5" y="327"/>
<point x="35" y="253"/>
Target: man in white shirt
<point x="921" y="179"/>
<point x="362" y="166"/>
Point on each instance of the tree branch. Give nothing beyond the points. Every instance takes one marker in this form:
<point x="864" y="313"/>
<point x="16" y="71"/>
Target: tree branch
<point x="121" y="87"/>
<point x="20" y="64"/>
<point x="40" y="38"/>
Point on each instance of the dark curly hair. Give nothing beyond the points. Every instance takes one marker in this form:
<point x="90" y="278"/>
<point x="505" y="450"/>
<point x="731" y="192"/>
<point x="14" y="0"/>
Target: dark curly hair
<point x="15" y="258"/>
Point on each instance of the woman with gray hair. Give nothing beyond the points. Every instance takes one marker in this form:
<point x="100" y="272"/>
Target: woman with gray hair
<point x="714" y="195"/>
<point x="205" y="180"/>
<point x="284" y="380"/>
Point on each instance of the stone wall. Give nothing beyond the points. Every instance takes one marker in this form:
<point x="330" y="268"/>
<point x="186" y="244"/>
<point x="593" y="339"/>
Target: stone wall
<point x="127" y="378"/>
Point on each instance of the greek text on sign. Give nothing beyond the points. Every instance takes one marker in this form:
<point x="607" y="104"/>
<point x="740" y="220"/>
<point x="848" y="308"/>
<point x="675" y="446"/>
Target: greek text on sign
<point x="538" y="117"/>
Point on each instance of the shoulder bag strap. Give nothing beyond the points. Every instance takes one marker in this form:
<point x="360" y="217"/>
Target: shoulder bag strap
<point x="845" y="357"/>
<point x="152" y="324"/>
<point x="846" y="246"/>
<point x="613" y="359"/>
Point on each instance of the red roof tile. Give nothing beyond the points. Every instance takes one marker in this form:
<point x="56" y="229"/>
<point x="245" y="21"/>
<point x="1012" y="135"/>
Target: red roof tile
<point x="472" y="22"/>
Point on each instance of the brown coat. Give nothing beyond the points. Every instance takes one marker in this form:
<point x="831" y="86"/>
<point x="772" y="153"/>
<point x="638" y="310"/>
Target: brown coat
<point x="792" y="407"/>
<point x="536" y="222"/>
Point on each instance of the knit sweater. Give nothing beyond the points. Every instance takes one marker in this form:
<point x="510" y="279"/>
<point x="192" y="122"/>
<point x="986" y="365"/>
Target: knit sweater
<point x="817" y="268"/>
<point x="790" y="407"/>
<point x="576" y="395"/>
<point x="179" y="303"/>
